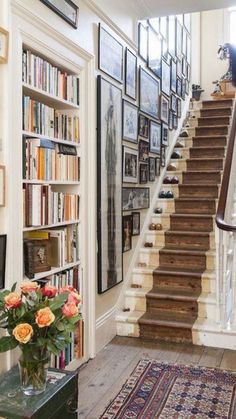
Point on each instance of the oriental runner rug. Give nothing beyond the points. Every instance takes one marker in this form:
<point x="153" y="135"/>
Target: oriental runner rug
<point x="170" y="391"/>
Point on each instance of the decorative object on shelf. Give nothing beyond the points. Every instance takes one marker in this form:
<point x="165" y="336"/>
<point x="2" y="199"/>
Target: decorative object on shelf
<point x="143" y="173"/>
<point x="164" y="109"/>
<point x="143" y="40"/>
<point x="154" y="52"/>
<point x="66" y="9"/>
<point x="135" y="223"/>
<point x="2" y="185"/>
<point x="109" y="181"/>
<point x="110" y="55"/>
<point x="164" y="135"/>
<point x="130" y="165"/>
<point x="3" y="246"/>
<point x="135" y="198"/>
<point x="143" y="126"/>
<point x="39" y="321"/>
<point x="4" y="42"/>
<point x="158" y="166"/>
<point x="127" y="232"/>
<point x="163" y="156"/>
<point x="179" y="144"/>
<point x="143" y="151"/>
<point x="152" y="169"/>
<point x="174" y="180"/>
<point x="130" y="74"/>
<point x="155" y="137"/>
<point x="148" y="94"/>
<point x="165" y="74"/>
<point x="130" y="122"/>
<point x="36" y="255"/>
<point x="196" y="92"/>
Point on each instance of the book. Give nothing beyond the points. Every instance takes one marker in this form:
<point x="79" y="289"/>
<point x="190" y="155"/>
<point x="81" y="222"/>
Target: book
<point x="36" y="257"/>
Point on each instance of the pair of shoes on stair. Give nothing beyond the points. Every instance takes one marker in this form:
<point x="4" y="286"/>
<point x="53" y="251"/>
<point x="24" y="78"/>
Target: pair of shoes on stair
<point x="154" y="226"/>
<point x="176" y="155"/>
<point x="179" y="145"/>
<point x="166" y="195"/>
<point x="171" y="180"/>
<point x="171" y="167"/>
<point x="183" y="134"/>
<point x="148" y="244"/>
<point x="158" y="210"/>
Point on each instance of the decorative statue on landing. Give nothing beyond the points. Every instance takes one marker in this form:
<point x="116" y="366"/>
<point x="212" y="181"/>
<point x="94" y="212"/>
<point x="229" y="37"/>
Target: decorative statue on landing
<point x="226" y="51"/>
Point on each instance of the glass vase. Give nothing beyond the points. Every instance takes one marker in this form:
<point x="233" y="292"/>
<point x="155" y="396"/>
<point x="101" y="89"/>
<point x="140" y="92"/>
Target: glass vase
<point x="33" y="372"/>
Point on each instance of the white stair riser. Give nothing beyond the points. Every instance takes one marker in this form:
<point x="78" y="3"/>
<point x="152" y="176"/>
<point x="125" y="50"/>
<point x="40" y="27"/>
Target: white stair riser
<point x="149" y="258"/>
<point x="146" y="280"/>
<point x="127" y="329"/>
<point x="179" y="163"/>
<point x="163" y="220"/>
<point x="214" y="339"/>
<point x="167" y="205"/>
<point x="206" y="310"/>
<point x="135" y="303"/>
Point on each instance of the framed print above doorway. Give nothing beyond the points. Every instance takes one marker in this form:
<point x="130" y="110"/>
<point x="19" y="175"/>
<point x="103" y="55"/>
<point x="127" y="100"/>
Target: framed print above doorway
<point x="110" y="55"/>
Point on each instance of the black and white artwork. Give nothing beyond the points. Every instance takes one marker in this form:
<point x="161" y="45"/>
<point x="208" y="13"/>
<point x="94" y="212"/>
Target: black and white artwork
<point x="143" y="151"/>
<point x="109" y="175"/>
<point x="164" y="135"/>
<point x="172" y="35"/>
<point x="179" y="108"/>
<point x="66" y="9"/>
<point x="135" y="223"/>
<point x="143" y="173"/>
<point x="149" y="94"/>
<point x="110" y="55"/>
<point x="143" y="40"/>
<point x="135" y="198"/>
<point x="164" y="109"/>
<point x="154" y="52"/>
<point x="179" y="86"/>
<point x="127" y="222"/>
<point x="165" y="82"/>
<point x="130" y="74"/>
<point x="173" y="76"/>
<point x="143" y="130"/>
<point x="130" y="122"/>
<point x="163" y="156"/>
<point x="152" y="169"/>
<point x="155" y="137"/>
<point x="130" y="165"/>
<point x="158" y="166"/>
<point x="174" y="103"/>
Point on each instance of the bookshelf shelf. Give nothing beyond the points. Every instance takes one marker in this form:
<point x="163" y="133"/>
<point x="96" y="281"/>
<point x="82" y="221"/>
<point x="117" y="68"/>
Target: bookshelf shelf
<point x="54" y="271"/>
<point x="51" y="100"/>
<point x="63" y="223"/>
<point x="45" y="137"/>
<point x="52" y="182"/>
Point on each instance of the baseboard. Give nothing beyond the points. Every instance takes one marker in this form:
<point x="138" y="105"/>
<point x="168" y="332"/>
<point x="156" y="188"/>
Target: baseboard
<point x="105" y="329"/>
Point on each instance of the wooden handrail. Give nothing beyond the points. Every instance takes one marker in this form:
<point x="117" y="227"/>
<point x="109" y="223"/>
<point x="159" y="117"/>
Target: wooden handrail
<point x="220" y="214"/>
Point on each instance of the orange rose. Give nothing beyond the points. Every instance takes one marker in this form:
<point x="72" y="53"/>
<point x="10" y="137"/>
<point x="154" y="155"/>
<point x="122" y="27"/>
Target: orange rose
<point x="70" y="309"/>
<point x="44" y="317"/>
<point x="23" y="332"/>
<point x="13" y="300"/>
<point x="74" y="297"/>
<point x="66" y="289"/>
<point x="29" y="286"/>
<point x="49" y="291"/>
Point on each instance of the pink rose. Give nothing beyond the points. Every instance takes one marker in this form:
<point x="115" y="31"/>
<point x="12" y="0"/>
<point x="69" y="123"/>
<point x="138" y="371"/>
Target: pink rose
<point x="70" y="309"/>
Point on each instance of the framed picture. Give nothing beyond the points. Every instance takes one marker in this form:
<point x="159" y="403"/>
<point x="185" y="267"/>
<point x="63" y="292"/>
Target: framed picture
<point x="2" y="185"/>
<point x="158" y="166"/>
<point x="184" y="44"/>
<point x="135" y="198"/>
<point x="187" y="22"/>
<point x="180" y="19"/>
<point x="4" y="42"/>
<point x="187" y="87"/>
<point x="130" y="165"/>
<point x="135" y="223"/>
<point x="109" y="175"/>
<point x="130" y="122"/>
<point x="165" y="53"/>
<point x="130" y="74"/>
<point x="178" y="86"/>
<point x="163" y="156"/>
<point x="170" y="120"/>
<point x="184" y="67"/>
<point x="183" y="90"/>
<point x="155" y="137"/>
<point x="164" y="109"/>
<point x="175" y="121"/>
<point x="66" y="9"/>
<point x="143" y="151"/>
<point x="165" y="74"/>
<point x="127" y="233"/>
<point x="173" y="76"/>
<point x="164" y="27"/>
<point x="152" y="169"/>
<point x="143" y="173"/>
<point x="149" y="94"/>
<point x="110" y="55"/>
<point x="179" y="108"/>
<point x="188" y="52"/>
<point x="174" y="103"/>
<point x="179" y="38"/>
<point x="143" y="129"/>
<point x="188" y="72"/>
<point x="143" y="41"/>
<point x="164" y="135"/>
<point x="172" y="35"/>
<point x="179" y="68"/>
<point x="3" y="247"/>
<point x="155" y="24"/>
<point x="154" y="52"/>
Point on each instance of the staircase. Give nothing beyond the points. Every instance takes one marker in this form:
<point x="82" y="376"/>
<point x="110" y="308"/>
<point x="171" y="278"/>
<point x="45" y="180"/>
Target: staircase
<point x="173" y="286"/>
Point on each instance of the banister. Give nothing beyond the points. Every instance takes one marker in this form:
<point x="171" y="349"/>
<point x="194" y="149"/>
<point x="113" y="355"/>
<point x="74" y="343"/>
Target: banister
<point x="220" y="214"/>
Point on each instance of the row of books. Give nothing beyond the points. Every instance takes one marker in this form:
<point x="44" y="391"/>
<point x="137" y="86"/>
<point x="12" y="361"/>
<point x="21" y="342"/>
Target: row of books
<point x="43" y="206"/>
<point x="45" y="120"/>
<point x="41" y="74"/>
<point x="61" y="279"/>
<point x="46" y="160"/>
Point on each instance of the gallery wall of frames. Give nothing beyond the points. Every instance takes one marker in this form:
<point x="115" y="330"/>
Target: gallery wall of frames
<point x="139" y="102"/>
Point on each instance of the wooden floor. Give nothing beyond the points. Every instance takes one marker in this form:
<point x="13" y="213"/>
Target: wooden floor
<point x="101" y="378"/>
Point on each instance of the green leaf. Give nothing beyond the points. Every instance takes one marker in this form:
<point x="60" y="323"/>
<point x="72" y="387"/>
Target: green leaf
<point x="3" y="294"/>
<point x="58" y="301"/>
<point x="52" y="348"/>
<point x="7" y="343"/>
<point x="70" y="328"/>
<point x="60" y="326"/>
<point x="13" y="287"/>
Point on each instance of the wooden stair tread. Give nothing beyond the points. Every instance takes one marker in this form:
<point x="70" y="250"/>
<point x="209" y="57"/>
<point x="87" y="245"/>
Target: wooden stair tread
<point x="187" y="233"/>
<point x="209" y="136"/>
<point x="203" y="159"/>
<point x="194" y="185"/>
<point x="197" y="216"/>
<point x="194" y="199"/>
<point x="204" y="148"/>
<point x="176" y="295"/>
<point x="205" y="171"/>
<point x="173" y="271"/>
<point x="185" y="252"/>
<point x="218" y="117"/>
<point x="167" y="319"/>
<point x="214" y="109"/>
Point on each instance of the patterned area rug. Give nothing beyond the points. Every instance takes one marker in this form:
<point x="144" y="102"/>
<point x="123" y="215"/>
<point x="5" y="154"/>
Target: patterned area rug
<point x="170" y="391"/>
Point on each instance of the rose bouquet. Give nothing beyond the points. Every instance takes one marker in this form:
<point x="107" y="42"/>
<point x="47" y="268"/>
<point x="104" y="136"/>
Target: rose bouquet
<point x="40" y="322"/>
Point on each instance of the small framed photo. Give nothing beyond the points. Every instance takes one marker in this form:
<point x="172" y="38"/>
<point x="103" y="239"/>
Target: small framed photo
<point x="184" y="44"/>
<point x="164" y="109"/>
<point x="130" y="122"/>
<point x="173" y="76"/>
<point x="164" y="135"/>
<point x="187" y="87"/>
<point x="127" y="232"/>
<point x="143" y="126"/>
<point x="130" y="74"/>
<point x="110" y="55"/>
<point x="179" y="39"/>
<point x="155" y="24"/>
<point x="3" y="247"/>
<point x="184" y="67"/>
<point x="152" y="169"/>
<point x="179" y="87"/>
<point x="165" y="53"/>
<point x="179" y="108"/>
<point x="143" y="173"/>
<point x="135" y="198"/>
<point x="4" y="42"/>
<point x="143" y="151"/>
<point x="155" y="137"/>
<point x="2" y="185"/>
<point x="135" y="223"/>
<point x="66" y="9"/>
<point x="143" y="40"/>
<point x="183" y="90"/>
<point x="188" y="52"/>
<point x="171" y="120"/>
<point x="165" y="82"/>
<point x="130" y="165"/>
<point x="158" y="166"/>
<point x="149" y="90"/>
<point x="175" y="121"/>
<point x="179" y="68"/>
<point x="174" y="103"/>
<point x="154" y="52"/>
<point x="163" y="156"/>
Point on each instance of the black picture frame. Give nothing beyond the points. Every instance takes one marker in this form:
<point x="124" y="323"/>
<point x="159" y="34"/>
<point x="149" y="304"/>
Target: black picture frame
<point x="143" y="173"/>
<point x="155" y="137"/>
<point x="174" y="103"/>
<point x="59" y="9"/>
<point x="149" y="90"/>
<point x="158" y="166"/>
<point x="165" y="77"/>
<point x="127" y="227"/>
<point x="129" y="122"/>
<point x="164" y="135"/>
<point x="131" y="69"/>
<point x="170" y="120"/>
<point x="163" y="156"/>
<point x="154" y="52"/>
<point x="152" y="169"/>
<point x="155" y="24"/>
<point x="179" y="87"/>
<point x="143" y="151"/>
<point x="172" y="35"/>
<point x="109" y="179"/>
<point x="143" y="41"/>
<point x="135" y="223"/>
<point x="164" y="106"/>
<point x="130" y="165"/>
<point x="3" y="248"/>
<point x="183" y="90"/>
<point x="175" y="121"/>
<point x="110" y="53"/>
<point x="143" y="124"/>
<point x="187" y="21"/>
<point x="173" y="76"/>
<point x="179" y="108"/>
<point x="164" y="27"/>
<point x="179" y="68"/>
<point x="179" y="39"/>
<point x="135" y="198"/>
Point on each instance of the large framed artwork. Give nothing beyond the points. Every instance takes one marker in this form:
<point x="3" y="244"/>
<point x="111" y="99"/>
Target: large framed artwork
<point x="130" y="165"/>
<point x="154" y="52"/>
<point x="135" y="198"/>
<point x="143" y="40"/>
<point x="66" y="9"/>
<point x="165" y="82"/>
<point x="130" y="122"/>
<point x="149" y="94"/>
<point x="109" y="174"/>
<point x="110" y="55"/>
<point x="130" y="74"/>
